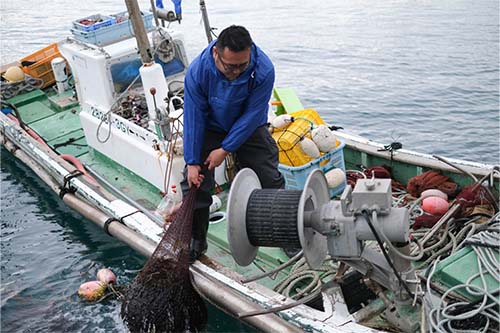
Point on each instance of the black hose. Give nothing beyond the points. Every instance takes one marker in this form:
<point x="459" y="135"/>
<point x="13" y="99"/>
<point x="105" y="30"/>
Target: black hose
<point x="16" y="112"/>
<point x="366" y="215"/>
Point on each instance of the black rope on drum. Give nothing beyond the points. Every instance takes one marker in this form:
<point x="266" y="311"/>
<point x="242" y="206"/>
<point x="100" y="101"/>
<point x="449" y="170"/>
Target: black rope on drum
<point x="67" y="187"/>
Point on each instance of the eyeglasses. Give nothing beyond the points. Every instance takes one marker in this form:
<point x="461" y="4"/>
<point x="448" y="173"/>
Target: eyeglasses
<point x="233" y="67"/>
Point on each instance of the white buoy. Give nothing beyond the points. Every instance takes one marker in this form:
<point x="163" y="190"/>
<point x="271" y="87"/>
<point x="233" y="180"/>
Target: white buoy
<point x="59" y="68"/>
<point x="282" y="121"/>
<point x="324" y="138"/>
<point x="434" y="193"/>
<point x="335" y="177"/>
<point x="309" y="148"/>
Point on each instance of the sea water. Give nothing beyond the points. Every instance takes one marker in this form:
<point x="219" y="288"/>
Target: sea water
<point x="423" y="73"/>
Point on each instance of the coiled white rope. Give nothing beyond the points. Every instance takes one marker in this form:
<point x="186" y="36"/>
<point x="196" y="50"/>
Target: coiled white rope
<point x="301" y="272"/>
<point x="485" y="245"/>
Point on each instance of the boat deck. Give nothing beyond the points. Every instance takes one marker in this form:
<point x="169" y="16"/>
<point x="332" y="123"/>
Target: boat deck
<point x="56" y="119"/>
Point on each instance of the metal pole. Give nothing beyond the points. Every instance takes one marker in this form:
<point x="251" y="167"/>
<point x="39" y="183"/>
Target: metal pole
<point x="140" y="31"/>
<point x="155" y="13"/>
<point x="206" y="24"/>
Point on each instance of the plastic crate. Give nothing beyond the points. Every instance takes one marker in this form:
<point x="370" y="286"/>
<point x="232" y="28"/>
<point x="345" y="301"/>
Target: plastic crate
<point x="41" y="67"/>
<point x="287" y="141"/>
<point x="293" y="157"/>
<point x="295" y="177"/>
<point x="93" y="22"/>
<point x="288" y="138"/>
<point x="120" y="30"/>
<point x="309" y="114"/>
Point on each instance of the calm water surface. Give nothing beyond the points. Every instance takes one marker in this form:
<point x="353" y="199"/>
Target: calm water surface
<point x="424" y="73"/>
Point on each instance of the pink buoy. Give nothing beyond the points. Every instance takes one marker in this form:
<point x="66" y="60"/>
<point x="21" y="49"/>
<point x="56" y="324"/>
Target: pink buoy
<point x="434" y="193"/>
<point x="106" y="276"/>
<point x="435" y="205"/>
<point x="92" y="290"/>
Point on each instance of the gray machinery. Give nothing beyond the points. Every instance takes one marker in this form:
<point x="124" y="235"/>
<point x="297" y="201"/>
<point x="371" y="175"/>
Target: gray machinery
<point x="308" y="219"/>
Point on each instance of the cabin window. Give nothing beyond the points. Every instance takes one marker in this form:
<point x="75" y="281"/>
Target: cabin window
<point x="125" y="69"/>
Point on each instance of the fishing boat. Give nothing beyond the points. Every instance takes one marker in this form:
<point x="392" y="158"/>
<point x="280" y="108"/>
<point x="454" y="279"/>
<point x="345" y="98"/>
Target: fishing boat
<point x="323" y="255"/>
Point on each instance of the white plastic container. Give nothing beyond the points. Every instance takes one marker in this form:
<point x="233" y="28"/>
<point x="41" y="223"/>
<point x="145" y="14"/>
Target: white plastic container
<point x="152" y="77"/>
<point x="168" y="204"/>
<point x="59" y="68"/>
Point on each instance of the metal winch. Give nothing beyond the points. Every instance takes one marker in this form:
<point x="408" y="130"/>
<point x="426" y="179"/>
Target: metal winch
<point x="320" y="226"/>
<point x="309" y="219"/>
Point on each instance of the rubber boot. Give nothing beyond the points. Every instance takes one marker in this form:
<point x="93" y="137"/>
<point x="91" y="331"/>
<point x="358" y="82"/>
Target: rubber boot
<point x="199" y="243"/>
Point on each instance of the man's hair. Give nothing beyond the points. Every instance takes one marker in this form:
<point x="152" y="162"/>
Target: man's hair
<point x="236" y="38"/>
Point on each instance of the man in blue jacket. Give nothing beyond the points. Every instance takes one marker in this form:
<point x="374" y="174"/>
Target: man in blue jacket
<point x="226" y="94"/>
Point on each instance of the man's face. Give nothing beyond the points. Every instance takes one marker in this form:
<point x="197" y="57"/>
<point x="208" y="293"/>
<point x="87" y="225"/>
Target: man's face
<point x="230" y="63"/>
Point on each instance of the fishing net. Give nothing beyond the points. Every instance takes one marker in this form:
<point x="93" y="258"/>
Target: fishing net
<point x="431" y="180"/>
<point x="379" y="171"/>
<point x="474" y="199"/>
<point x="161" y="297"/>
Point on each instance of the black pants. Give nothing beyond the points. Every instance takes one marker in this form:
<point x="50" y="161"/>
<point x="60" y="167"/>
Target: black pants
<point x="259" y="153"/>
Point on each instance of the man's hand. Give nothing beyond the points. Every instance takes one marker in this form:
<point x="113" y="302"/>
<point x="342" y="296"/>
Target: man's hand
<point x="194" y="175"/>
<point x="216" y="158"/>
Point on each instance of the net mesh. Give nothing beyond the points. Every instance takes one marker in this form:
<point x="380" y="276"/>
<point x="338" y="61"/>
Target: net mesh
<point x="471" y="197"/>
<point x="161" y="297"/>
<point x="431" y="180"/>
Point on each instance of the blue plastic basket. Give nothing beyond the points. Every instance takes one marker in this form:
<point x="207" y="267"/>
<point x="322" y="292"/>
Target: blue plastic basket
<point x="295" y="177"/>
<point x="122" y="29"/>
<point x="100" y="21"/>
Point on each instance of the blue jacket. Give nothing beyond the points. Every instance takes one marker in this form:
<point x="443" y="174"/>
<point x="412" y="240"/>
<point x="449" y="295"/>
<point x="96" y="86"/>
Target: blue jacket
<point x="235" y="108"/>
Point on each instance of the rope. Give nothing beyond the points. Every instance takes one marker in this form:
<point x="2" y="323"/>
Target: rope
<point x="444" y="314"/>
<point x="9" y="90"/>
<point x="67" y="187"/>
<point x="16" y="112"/>
<point x="283" y="307"/>
<point x="175" y="135"/>
<point x="299" y="273"/>
<point x="275" y="270"/>
<point x="107" y="223"/>
<point x="392" y="247"/>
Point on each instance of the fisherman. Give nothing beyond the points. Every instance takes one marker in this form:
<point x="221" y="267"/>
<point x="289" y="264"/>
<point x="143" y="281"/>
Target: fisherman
<point x="226" y="94"/>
